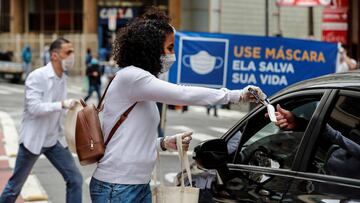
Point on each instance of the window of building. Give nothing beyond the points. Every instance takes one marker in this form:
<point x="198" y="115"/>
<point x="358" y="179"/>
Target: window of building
<point x="58" y="16"/>
<point x="5" y="16"/>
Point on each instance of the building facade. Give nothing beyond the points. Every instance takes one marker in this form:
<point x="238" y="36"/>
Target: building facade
<point x="255" y="18"/>
<point x="86" y="23"/>
<point x="93" y="23"/>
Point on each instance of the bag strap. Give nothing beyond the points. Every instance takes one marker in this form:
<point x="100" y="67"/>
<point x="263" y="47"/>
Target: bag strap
<point x="184" y="161"/>
<point x="99" y="106"/>
<point x="122" y="117"/>
<point x="118" y="123"/>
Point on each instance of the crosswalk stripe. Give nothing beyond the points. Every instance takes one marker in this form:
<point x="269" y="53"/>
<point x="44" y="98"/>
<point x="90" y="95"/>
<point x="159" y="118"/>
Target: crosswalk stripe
<point x="75" y="89"/>
<point x="198" y="136"/>
<point x="19" y="89"/>
<point x="202" y="136"/>
<point x="220" y="130"/>
<point x="4" y="92"/>
<point x="180" y="128"/>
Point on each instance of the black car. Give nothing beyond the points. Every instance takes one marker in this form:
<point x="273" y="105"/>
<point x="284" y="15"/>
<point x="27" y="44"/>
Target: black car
<point x="255" y="161"/>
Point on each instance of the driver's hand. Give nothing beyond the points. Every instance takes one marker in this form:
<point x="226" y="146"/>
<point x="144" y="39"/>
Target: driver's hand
<point x="285" y="119"/>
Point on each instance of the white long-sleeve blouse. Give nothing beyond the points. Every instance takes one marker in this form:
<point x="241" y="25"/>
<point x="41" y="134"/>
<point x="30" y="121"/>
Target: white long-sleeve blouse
<point x="131" y="154"/>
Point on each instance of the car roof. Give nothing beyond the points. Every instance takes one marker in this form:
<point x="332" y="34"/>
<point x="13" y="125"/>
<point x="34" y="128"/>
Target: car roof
<point x="330" y="81"/>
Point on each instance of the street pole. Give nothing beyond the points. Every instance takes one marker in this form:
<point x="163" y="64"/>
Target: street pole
<point x="311" y="22"/>
<point x="266" y="18"/>
<point x="279" y="34"/>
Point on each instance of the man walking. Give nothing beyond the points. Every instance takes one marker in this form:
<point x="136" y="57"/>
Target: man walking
<point x="41" y="132"/>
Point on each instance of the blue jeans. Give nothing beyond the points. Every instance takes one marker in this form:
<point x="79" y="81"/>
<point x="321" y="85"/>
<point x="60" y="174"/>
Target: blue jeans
<point x="63" y="161"/>
<point x="93" y="88"/>
<point x="26" y="68"/>
<point x="102" y="192"/>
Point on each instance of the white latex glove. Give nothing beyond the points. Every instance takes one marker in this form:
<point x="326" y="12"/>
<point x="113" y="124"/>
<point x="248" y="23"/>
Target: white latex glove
<point x="68" y="103"/>
<point x="170" y="141"/>
<point x="246" y="96"/>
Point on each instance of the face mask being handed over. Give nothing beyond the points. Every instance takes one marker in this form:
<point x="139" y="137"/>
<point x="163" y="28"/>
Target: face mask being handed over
<point x="68" y="63"/>
<point x="167" y="60"/>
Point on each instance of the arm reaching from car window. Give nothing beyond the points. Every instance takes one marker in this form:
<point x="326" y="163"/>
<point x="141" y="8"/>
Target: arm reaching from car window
<point x="345" y="143"/>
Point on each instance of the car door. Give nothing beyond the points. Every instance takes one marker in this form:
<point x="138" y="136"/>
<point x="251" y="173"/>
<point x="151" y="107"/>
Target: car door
<point x="262" y="155"/>
<point x="330" y="168"/>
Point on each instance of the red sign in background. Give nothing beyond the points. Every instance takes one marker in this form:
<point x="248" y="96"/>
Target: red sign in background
<point x="335" y="22"/>
<point x="303" y="2"/>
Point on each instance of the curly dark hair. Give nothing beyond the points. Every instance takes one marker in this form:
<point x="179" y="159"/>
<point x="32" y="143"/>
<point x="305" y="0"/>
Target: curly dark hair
<point x="141" y="42"/>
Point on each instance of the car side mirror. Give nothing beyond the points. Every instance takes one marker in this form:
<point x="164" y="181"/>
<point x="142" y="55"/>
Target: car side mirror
<point x="211" y="154"/>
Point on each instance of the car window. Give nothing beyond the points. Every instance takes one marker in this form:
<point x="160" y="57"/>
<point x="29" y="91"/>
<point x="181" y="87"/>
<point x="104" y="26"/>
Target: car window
<point x="337" y="150"/>
<point x="304" y="111"/>
<point x="264" y="144"/>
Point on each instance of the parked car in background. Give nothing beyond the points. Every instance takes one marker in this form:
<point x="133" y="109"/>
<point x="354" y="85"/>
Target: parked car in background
<point x="8" y="69"/>
<point x="255" y="161"/>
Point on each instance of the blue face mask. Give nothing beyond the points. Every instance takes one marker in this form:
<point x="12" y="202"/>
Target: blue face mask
<point x="167" y="60"/>
<point x="94" y="61"/>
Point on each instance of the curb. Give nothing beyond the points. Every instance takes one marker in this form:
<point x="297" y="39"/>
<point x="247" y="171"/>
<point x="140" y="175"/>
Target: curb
<point x="32" y="189"/>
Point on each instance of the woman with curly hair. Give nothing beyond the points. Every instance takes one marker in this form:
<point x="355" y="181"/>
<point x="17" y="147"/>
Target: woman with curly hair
<point x="144" y="49"/>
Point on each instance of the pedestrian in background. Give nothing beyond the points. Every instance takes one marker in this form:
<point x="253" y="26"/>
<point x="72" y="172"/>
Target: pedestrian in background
<point x="103" y="58"/>
<point x="143" y="49"/>
<point x="45" y="55"/>
<point x="345" y="63"/>
<point x="209" y="107"/>
<point x="26" y="56"/>
<point x="103" y="54"/>
<point x="94" y="74"/>
<point x="41" y="131"/>
<point x="88" y="57"/>
<point x="110" y="69"/>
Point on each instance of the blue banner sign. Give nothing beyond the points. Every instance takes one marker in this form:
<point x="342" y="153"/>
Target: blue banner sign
<point x="234" y="61"/>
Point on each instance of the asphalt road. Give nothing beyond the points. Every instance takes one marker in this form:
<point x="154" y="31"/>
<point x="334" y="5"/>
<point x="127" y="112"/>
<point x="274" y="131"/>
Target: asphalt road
<point x="204" y="127"/>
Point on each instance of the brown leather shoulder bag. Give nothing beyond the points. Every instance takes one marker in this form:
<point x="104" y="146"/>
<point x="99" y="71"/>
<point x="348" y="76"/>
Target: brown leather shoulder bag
<point x="90" y="145"/>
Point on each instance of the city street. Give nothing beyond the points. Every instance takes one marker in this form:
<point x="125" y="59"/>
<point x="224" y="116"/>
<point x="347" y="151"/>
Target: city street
<point x="299" y="60"/>
<point x="204" y="127"/>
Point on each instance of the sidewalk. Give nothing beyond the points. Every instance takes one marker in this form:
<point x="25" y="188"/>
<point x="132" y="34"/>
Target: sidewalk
<point x="32" y="190"/>
<point x="5" y="170"/>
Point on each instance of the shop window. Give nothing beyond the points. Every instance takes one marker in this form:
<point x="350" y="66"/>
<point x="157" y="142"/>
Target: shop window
<point x="65" y="19"/>
<point x="5" y="16"/>
<point x="57" y="16"/>
<point x="78" y="21"/>
<point x="49" y="19"/>
<point x="49" y="5"/>
<point x="65" y="5"/>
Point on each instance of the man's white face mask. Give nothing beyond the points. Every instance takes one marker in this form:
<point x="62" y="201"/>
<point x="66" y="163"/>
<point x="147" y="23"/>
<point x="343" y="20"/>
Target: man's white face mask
<point x="68" y="62"/>
<point x="167" y="60"/>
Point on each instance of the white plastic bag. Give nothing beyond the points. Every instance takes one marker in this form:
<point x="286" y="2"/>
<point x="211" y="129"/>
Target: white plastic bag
<point x="70" y="126"/>
<point x="174" y="194"/>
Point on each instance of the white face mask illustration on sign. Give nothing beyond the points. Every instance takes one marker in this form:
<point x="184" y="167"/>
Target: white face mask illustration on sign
<point x="202" y="63"/>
